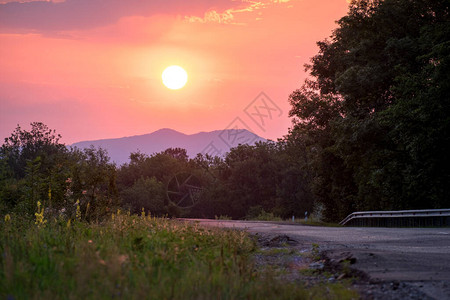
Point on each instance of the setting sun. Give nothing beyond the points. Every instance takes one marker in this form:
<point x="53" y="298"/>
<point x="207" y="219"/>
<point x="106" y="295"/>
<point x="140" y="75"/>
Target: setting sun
<point x="174" y="77"/>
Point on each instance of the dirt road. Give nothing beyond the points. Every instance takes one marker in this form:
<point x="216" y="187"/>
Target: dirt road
<point x="419" y="256"/>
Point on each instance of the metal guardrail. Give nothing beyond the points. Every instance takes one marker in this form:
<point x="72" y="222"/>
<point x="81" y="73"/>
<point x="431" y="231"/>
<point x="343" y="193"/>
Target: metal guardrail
<point x="401" y="218"/>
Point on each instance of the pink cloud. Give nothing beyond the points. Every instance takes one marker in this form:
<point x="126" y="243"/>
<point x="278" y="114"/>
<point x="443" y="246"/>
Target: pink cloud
<point x="84" y="14"/>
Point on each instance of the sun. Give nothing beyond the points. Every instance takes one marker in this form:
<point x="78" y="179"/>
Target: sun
<point x="174" y="77"/>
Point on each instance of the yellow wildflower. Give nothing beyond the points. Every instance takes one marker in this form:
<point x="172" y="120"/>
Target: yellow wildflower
<point x="40" y="220"/>
<point x="78" y="211"/>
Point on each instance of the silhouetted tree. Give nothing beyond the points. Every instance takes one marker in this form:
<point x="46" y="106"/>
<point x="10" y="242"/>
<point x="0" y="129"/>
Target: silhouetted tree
<point x="376" y="111"/>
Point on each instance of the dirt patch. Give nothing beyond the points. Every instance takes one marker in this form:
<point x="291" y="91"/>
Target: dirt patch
<point x="277" y="241"/>
<point x="291" y="260"/>
<point x="308" y="265"/>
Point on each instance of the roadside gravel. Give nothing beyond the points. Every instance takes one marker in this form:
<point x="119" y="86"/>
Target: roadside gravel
<point x="309" y="266"/>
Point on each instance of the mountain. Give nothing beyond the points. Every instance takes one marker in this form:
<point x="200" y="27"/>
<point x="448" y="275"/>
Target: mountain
<point x="214" y="143"/>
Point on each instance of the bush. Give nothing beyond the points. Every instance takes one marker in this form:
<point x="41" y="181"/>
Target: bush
<point x="146" y="193"/>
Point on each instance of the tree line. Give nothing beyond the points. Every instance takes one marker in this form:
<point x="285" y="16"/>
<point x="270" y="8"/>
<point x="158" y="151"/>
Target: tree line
<point x="370" y="132"/>
<point x="35" y="166"/>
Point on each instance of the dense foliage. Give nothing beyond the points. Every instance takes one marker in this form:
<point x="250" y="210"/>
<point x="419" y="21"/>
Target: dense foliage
<point x="36" y="167"/>
<point x="375" y="115"/>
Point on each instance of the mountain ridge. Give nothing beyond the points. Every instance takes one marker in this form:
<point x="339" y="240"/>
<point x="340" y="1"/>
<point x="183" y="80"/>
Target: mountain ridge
<point x="216" y="142"/>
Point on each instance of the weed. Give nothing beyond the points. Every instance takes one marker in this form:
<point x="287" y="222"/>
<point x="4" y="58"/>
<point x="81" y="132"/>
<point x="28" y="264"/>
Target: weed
<point x="315" y="252"/>
<point x="40" y="219"/>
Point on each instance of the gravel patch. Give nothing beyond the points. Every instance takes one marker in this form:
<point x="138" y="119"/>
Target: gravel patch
<point x="308" y="265"/>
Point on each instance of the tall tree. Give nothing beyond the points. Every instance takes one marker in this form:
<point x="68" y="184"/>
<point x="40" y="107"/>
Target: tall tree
<point x="377" y="108"/>
<point x="24" y="145"/>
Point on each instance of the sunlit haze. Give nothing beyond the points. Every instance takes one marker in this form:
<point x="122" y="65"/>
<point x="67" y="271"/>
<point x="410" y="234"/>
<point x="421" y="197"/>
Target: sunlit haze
<point x="95" y="73"/>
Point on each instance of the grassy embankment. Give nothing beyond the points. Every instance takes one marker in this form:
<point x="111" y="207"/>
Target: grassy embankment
<point x="130" y="257"/>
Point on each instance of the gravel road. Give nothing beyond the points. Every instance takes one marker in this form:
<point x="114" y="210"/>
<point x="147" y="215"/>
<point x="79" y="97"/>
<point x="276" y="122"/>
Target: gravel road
<point x="418" y="257"/>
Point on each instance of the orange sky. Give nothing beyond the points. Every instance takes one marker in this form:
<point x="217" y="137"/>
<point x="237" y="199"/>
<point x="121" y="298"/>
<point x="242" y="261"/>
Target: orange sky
<point x="91" y="69"/>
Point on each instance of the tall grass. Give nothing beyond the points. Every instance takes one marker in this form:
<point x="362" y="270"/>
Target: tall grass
<point x="136" y="257"/>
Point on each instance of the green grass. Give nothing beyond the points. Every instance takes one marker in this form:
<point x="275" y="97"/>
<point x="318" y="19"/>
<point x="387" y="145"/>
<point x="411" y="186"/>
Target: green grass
<point x="312" y="222"/>
<point x="270" y="217"/>
<point x="137" y="257"/>
<point x="277" y="251"/>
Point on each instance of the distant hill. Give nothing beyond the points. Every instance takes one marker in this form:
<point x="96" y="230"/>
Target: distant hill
<point x="214" y="143"/>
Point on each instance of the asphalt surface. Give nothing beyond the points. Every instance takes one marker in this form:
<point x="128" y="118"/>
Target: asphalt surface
<point x="420" y="256"/>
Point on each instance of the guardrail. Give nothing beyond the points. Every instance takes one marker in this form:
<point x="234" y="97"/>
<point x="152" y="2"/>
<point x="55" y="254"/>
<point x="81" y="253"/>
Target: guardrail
<point x="401" y="218"/>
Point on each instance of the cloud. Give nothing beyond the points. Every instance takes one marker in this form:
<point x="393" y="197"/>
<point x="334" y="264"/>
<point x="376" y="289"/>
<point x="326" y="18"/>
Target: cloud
<point x="228" y="16"/>
<point x="67" y="15"/>
<point x="86" y="14"/>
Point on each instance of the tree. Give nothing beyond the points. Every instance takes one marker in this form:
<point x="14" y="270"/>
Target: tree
<point x="163" y="166"/>
<point x="146" y="193"/>
<point x="377" y="108"/>
<point x="32" y="168"/>
<point x="93" y="182"/>
<point x="23" y="146"/>
<point x="177" y="153"/>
